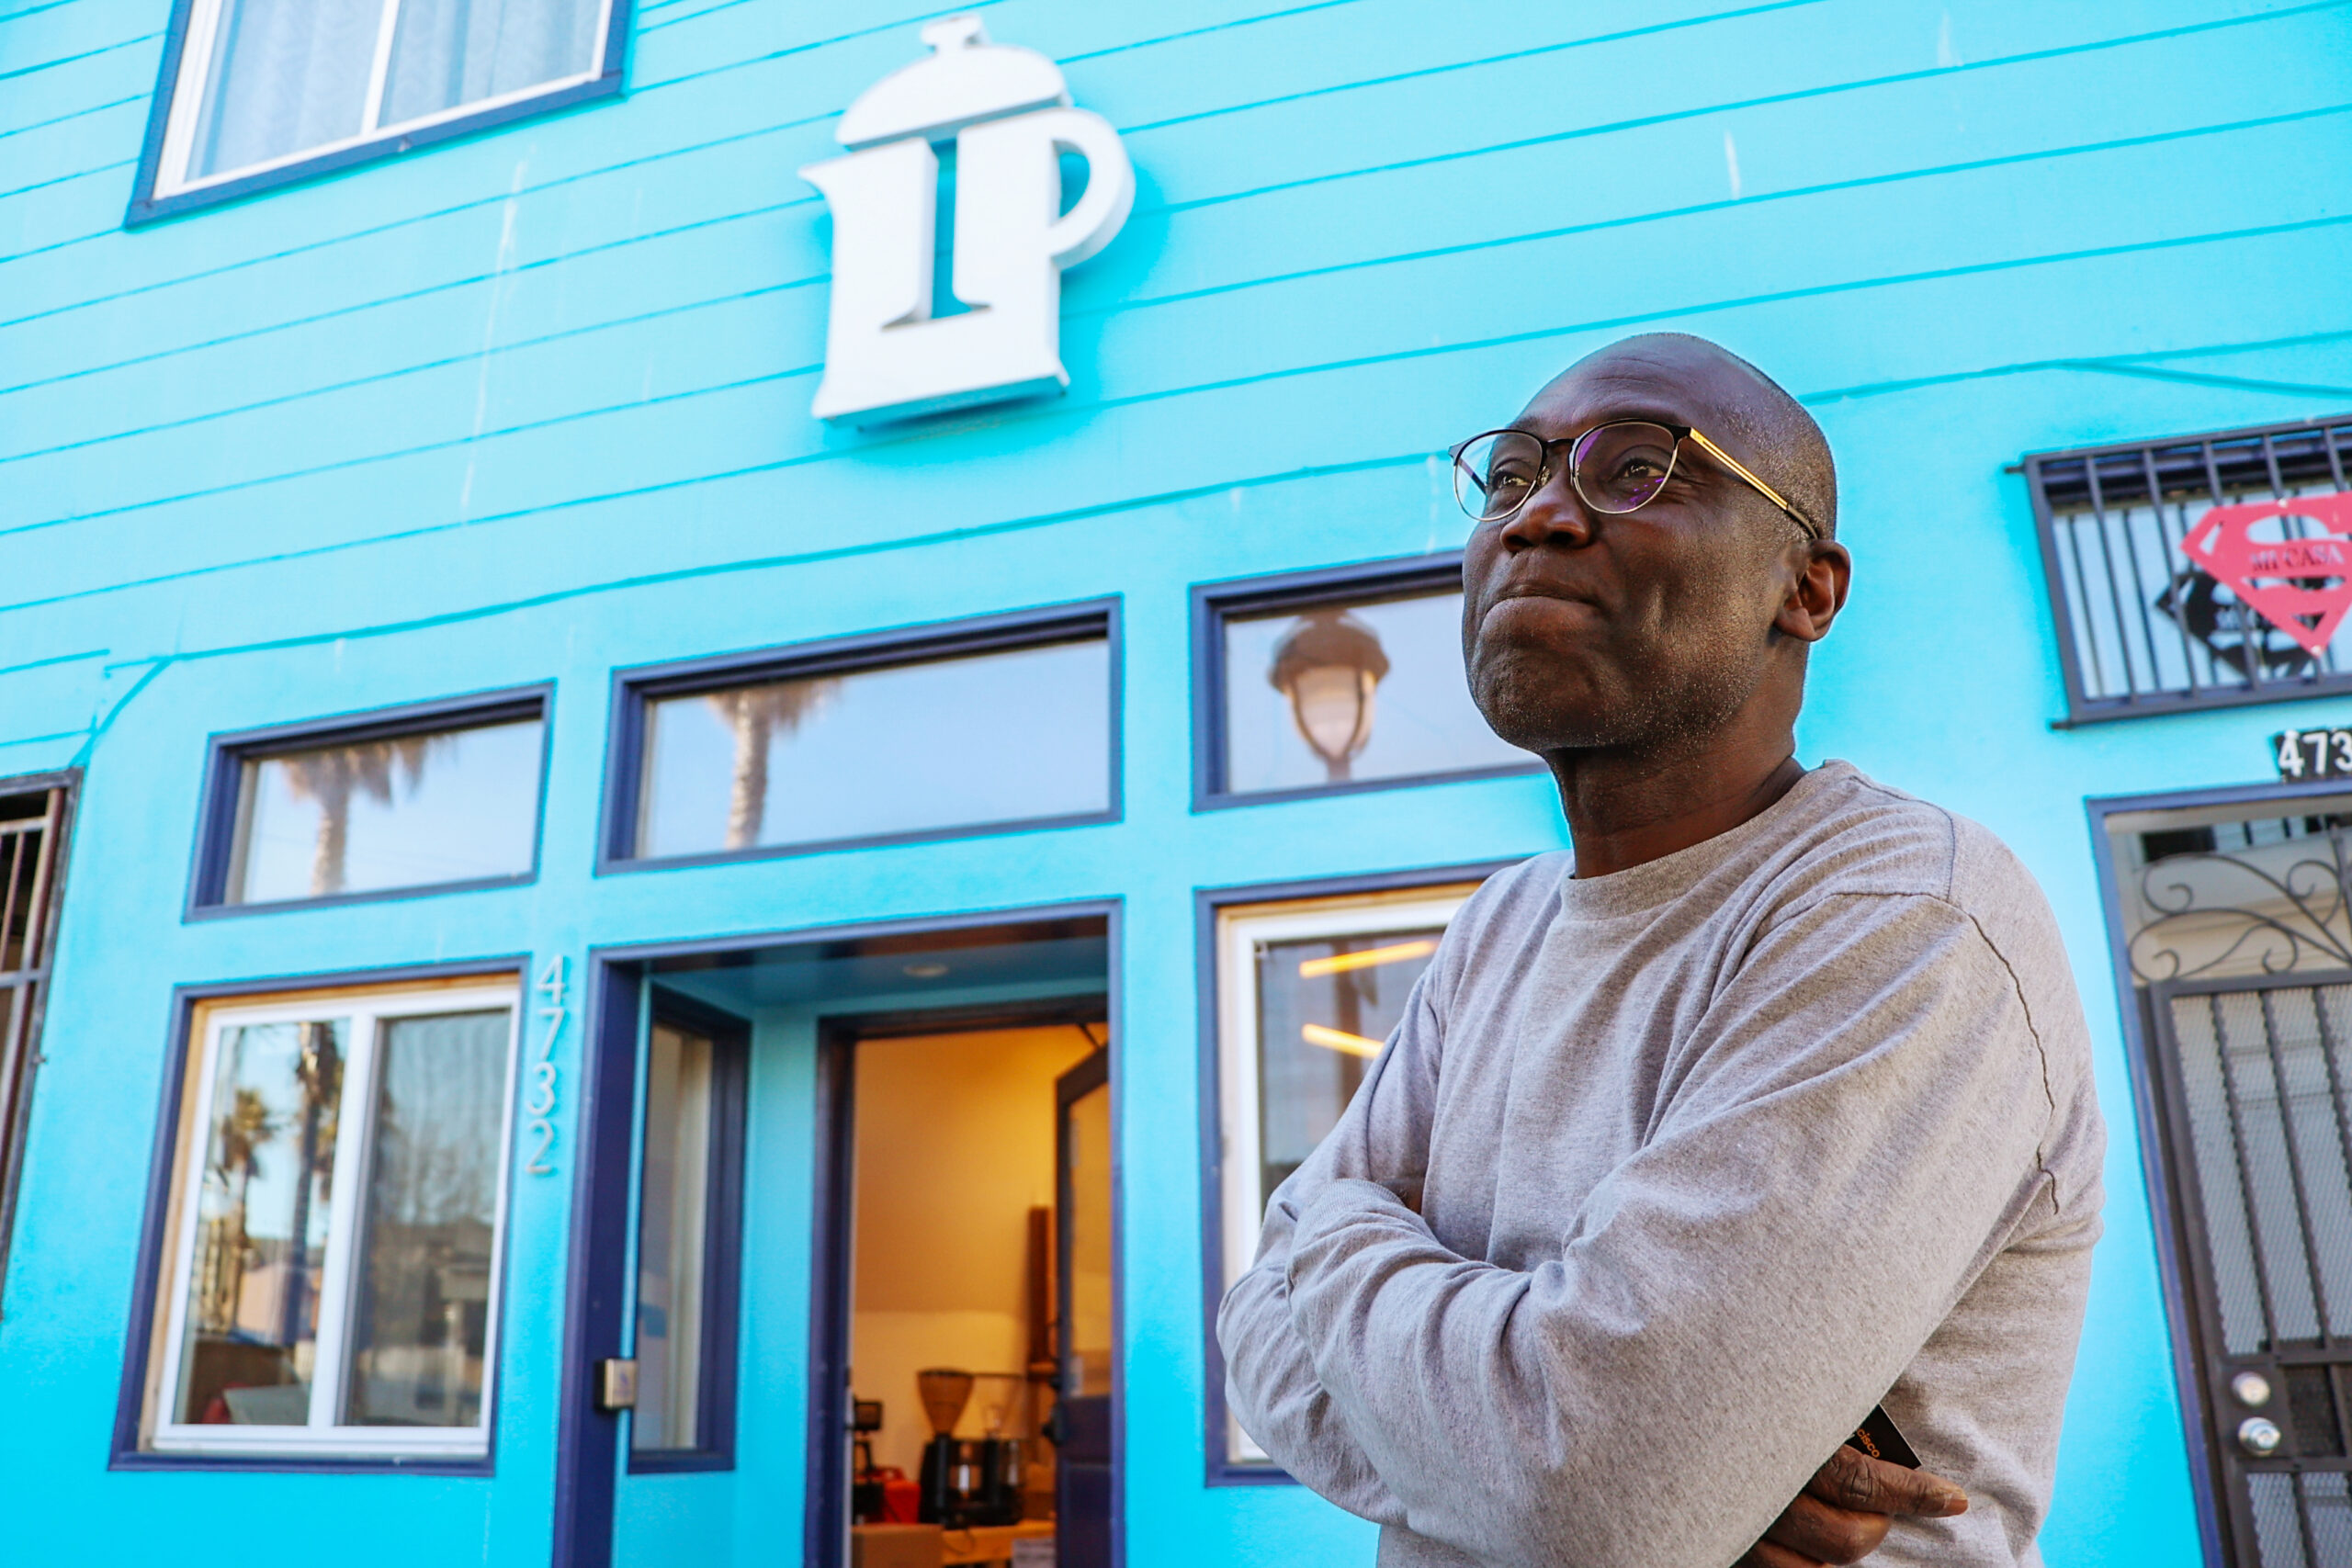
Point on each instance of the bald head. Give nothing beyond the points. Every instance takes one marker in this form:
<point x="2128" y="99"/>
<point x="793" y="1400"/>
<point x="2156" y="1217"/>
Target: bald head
<point x="1588" y="629"/>
<point x="1751" y="415"/>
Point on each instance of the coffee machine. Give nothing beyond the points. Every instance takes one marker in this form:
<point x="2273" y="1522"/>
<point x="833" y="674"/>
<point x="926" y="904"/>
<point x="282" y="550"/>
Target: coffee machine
<point x="966" y="1481"/>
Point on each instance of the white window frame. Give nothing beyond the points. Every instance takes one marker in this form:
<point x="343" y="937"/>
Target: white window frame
<point x="364" y="1013"/>
<point x="1239" y="929"/>
<point x="194" y="78"/>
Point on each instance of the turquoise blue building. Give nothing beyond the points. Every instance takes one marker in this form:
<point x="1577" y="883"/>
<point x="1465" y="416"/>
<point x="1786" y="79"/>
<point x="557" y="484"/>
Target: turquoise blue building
<point x="575" y="933"/>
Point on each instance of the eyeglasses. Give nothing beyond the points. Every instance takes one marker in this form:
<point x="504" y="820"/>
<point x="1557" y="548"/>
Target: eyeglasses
<point x="1616" y="468"/>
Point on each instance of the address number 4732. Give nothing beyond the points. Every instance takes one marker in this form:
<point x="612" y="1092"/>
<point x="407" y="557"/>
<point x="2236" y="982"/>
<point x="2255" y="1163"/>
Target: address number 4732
<point x="540" y="1084"/>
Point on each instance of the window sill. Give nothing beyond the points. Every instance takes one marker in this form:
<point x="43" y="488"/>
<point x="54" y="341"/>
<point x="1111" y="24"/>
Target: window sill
<point x="321" y="1461"/>
<point x="373" y="896"/>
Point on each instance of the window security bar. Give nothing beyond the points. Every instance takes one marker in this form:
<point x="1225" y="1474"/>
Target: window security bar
<point x="2142" y="628"/>
<point x="30" y="827"/>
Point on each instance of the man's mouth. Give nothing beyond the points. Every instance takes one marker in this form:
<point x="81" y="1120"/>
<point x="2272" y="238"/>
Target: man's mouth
<point x="1545" y="593"/>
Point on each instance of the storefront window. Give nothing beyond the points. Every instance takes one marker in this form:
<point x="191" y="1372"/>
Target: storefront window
<point x="426" y="808"/>
<point x="1308" y="992"/>
<point x="334" y="1270"/>
<point x="1007" y="737"/>
<point x="1366" y="686"/>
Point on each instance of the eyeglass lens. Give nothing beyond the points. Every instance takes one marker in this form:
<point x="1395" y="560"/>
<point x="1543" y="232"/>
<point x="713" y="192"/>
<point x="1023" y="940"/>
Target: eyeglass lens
<point x="1616" y="468"/>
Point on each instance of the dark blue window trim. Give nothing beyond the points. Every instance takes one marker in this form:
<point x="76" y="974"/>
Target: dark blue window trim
<point x="1214" y="603"/>
<point x="162" y="1170"/>
<point x="1206" y="902"/>
<point x="146" y="206"/>
<point x="634" y="688"/>
<point x="731" y="1038"/>
<point x="226" y="755"/>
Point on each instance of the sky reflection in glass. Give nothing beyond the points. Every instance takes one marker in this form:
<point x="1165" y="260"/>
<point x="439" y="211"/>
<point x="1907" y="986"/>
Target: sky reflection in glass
<point x="408" y="811"/>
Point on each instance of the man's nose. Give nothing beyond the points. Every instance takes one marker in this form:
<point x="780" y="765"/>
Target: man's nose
<point x="1555" y="514"/>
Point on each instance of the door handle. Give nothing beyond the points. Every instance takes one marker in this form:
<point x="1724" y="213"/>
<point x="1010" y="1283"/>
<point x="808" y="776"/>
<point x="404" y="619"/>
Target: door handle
<point x="2260" y="1436"/>
<point x="616" y="1384"/>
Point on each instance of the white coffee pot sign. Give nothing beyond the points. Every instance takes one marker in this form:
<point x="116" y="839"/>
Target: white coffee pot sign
<point x="1008" y="112"/>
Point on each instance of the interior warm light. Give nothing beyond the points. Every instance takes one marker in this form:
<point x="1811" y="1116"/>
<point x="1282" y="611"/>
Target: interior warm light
<point x="1338" y="1040"/>
<point x="1370" y="958"/>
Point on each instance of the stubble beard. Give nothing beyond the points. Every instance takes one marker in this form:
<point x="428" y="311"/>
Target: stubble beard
<point x="1671" y="712"/>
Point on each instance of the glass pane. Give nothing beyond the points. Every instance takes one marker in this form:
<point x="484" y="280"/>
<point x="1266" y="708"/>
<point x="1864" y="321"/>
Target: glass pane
<point x="407" y="812"/>
<point x="421" y="1300"/>
<point x="914" y="748"/>
<point x="674" y="1221"/>
<point x="286" y="76"/>
<point x="1087" y="1359"/>
<point x="1368" y="690"/>
<point x="447" y="52"/>
<point x="261" y="1225"/>
<point x="19" y="875"/>
<point x="1325" y="1007"/>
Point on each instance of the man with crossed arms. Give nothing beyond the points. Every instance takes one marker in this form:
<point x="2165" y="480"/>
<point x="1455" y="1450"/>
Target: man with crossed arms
<point x="1769" y="1103"/>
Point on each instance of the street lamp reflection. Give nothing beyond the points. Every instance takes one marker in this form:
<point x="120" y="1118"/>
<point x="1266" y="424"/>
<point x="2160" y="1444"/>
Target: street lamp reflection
<point x="1329" y="665"/>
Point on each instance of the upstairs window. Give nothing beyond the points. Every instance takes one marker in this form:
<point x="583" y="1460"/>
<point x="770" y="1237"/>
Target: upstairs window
<point x="418" y="798"/>
<point x="262" y="87"/>
<point x="976" y="727"/>
<point x="1332" y="681"/>
<point x="2164" y="601"/>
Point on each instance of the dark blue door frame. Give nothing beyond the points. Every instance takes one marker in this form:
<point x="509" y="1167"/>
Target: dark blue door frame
<point x="596" y="1290"/>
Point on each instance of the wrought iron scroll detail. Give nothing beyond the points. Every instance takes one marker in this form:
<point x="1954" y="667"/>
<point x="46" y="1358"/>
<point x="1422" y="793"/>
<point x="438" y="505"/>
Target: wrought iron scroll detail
<point x="2303" y="915"/>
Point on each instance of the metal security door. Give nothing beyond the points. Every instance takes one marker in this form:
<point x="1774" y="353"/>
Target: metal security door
<point x="2255" y="1075"/>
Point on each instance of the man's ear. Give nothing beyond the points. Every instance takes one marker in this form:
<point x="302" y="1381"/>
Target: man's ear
<point x="1822" y="573"/>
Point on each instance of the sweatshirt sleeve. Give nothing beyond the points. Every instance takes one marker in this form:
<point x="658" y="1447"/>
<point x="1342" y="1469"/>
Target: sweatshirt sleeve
<point x="1844" y="1145"/>
<point x="1271" y="1384"/>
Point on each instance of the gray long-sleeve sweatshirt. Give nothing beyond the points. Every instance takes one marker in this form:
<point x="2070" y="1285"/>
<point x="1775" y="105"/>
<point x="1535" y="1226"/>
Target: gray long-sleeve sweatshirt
<point x="1712" y="1155"/>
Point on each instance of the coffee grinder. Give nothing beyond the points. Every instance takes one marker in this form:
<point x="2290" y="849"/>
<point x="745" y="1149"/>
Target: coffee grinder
<point x="966" y="1481"/>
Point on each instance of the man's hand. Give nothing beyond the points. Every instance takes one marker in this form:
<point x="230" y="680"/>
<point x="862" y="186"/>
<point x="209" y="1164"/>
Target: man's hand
<point x="1844" y="1511"/>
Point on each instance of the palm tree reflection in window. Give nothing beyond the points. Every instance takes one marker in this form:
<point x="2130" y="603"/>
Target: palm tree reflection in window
<point x="263" y="1233"/>
<point x="330" y="777"/>
<point x="756" y="715"/>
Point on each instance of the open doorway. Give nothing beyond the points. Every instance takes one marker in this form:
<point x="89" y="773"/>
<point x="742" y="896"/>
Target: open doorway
<point x="967" y="1252"/>
<point x="980" y="1046"/>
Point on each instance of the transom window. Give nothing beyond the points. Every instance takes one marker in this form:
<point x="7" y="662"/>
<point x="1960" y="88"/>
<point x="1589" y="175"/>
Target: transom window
<point x="336" y="1210"/>
<point x="977" y="728"/>
<point x="1308" y="991"/>
<point x="433" y="799"/>
<point x="264" y="84"/>
<point x="1328" y="681"/>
